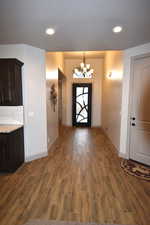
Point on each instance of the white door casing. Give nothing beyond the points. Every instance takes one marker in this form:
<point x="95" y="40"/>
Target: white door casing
<point x="140" y="111"/>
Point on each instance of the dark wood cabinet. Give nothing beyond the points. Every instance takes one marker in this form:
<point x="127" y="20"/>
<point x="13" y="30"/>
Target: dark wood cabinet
<point x="11" y="150"/>
<point x="10" y="82"/>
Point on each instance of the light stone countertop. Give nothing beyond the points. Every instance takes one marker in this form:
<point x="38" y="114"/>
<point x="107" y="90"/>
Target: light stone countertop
<point x="8" y="128"/>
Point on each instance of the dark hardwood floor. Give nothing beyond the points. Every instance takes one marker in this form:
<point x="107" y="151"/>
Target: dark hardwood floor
<point x="80" y="180"/>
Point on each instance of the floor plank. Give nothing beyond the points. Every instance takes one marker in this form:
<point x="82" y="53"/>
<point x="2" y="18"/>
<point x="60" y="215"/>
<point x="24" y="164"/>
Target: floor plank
<point x="80" y="180"/>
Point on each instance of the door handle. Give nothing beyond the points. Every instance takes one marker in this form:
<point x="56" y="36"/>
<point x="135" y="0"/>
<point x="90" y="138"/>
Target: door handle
<point x="133" y="124"/>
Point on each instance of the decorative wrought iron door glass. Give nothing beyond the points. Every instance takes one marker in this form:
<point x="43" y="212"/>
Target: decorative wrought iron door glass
<point x="82" y="104"/>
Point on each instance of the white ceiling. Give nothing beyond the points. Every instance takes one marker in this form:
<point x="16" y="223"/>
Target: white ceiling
<point x="88" y="54"/>
<point x="80" y="24"/>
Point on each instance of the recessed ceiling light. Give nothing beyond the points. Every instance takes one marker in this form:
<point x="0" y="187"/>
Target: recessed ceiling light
<point x="117" y="29"/>
<point x="50" y="31"/>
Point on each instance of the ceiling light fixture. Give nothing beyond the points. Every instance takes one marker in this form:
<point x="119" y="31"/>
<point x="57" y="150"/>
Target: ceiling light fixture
<point x="117" y="29"/>
<point x="84" y="70"/>
<point x="50" y="31"/>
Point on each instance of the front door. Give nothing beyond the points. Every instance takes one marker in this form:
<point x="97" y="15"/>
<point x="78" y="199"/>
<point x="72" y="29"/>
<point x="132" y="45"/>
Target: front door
<point x="140" y="111"/>
<point x="81" y="107"/>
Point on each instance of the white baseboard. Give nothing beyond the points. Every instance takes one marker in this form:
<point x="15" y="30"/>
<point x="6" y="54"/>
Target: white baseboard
<point x="94" y="126"/>
<point x="123" y="155"/>
<point x="51" y="143"/>
<point x="38" y="156"/>
<point x="116" y="149"/>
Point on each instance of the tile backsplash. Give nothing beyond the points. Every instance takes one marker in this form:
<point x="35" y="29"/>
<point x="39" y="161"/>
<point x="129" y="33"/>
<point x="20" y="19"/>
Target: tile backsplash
<point x="11" y="115"/>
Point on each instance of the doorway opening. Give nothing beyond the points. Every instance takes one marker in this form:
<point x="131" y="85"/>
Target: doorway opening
<point x="81" y="104"/>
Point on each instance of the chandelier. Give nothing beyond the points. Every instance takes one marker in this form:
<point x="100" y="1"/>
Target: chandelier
<point x="84" y="70"/>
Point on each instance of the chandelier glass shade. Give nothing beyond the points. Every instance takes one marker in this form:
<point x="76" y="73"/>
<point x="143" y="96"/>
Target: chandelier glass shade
<point x="83" y="71"/>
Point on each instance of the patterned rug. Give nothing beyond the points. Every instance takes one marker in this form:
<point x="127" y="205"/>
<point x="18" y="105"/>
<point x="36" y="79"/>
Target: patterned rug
<point x="136" y="169"/>
<point x="51" y="222"/>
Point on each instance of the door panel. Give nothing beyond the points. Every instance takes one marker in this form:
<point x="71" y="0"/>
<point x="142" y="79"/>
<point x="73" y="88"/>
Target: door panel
<point x="140" y="112"/>
<point x="81" y="110"/>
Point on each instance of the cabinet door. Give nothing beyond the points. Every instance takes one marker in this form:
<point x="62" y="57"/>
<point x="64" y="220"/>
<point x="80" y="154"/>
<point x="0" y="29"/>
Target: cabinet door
<point x="16" y="146"/>
<point x="11" y="150"/>
<point x="17" y="85"/>
<point x="6" y="95"/>
<point x="11" y="82"/>
<point x="5" y="156"/>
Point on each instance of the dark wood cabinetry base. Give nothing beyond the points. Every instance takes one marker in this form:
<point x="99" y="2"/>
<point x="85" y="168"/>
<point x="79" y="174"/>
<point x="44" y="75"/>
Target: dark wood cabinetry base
<point x="11" y="150"/>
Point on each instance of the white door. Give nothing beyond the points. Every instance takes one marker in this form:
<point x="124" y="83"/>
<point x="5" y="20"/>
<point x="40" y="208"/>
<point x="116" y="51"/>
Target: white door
<point x="140" y="111"/>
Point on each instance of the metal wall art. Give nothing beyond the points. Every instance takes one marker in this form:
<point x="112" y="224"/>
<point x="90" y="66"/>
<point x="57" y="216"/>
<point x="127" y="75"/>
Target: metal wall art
<point x="53" y="96"/>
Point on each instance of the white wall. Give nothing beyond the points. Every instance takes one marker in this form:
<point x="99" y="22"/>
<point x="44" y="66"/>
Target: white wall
<point x="34" y="96"/>
<point x="53" y="62"/>
<point x="98" y="65"/>
<point x="112" y="93"/>
<point x="128" y="54"/>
